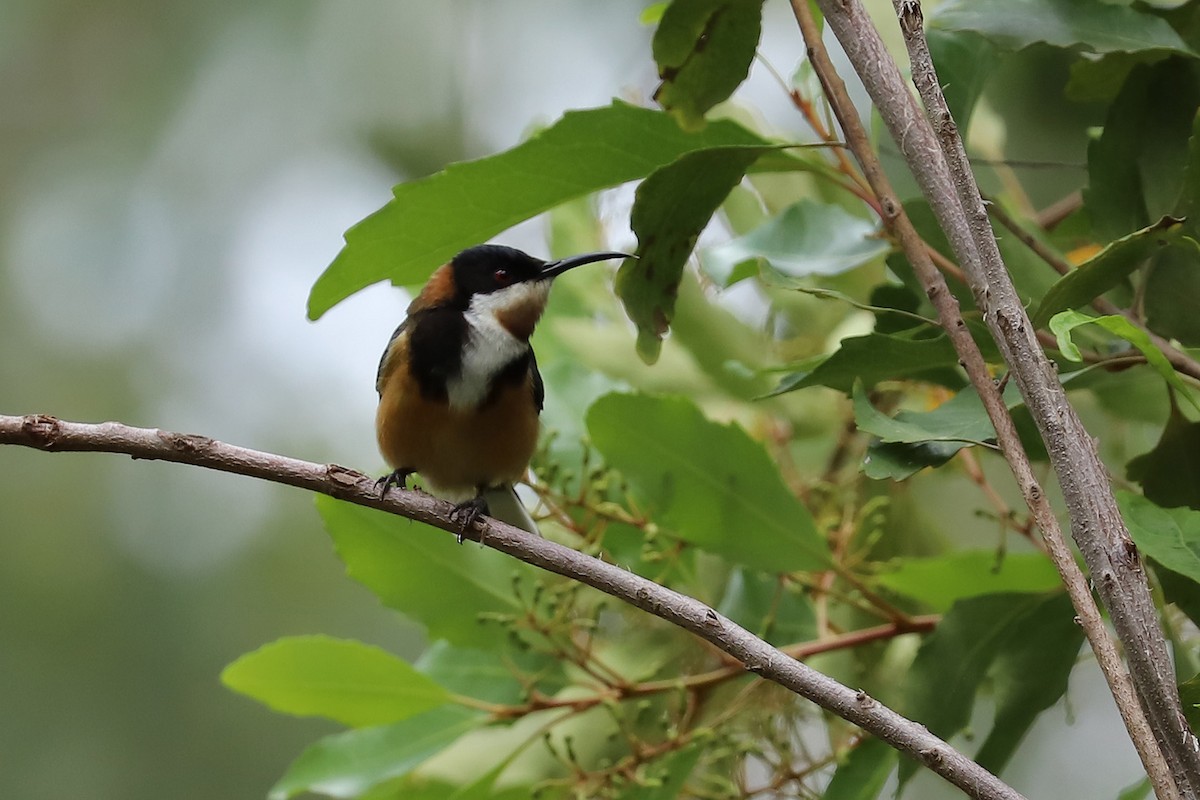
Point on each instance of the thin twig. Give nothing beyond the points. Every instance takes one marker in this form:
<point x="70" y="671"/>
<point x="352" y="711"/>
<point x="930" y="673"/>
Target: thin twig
<point x="49" y="433"/>
<point x="1049" y="217"/>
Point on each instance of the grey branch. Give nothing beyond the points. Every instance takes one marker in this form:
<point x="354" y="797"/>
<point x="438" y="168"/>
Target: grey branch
<point x="938" y="161"/>
<point x="49" y="433"/>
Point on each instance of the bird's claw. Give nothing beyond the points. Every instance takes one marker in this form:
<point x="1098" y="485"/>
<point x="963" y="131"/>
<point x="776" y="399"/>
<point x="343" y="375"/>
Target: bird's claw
<point x="397" y="477"/>
<point x="468" y="513"/>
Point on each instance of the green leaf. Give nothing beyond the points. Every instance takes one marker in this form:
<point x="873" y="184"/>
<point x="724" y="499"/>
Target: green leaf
<point x="1063" y="323"/>
<point x="1091" y="27"/>
<point x="417" y="786"/>
<point x="964" y="61"/>
<point x="962" y="418"/>
<point x="1189" y="197"/>
<point x="670" y="209"/>
<point x="808" y="238"/>
<point x="1140" y="790"/>
<point x="1135" y="167"/>
<point x="1189" y="696"/>
<point x="864" y="772"/>
<point x="485" y="676"/>
<point x="1171" y="536"/>
<point x="703" y="49"/>
<point x="348" y="764"/>
<point x="912" y="441"/>
<point x="429" y="220"/>
<point x="1172" y="294"/>
<point x="1099" y="80"/>
<point x="1029" y="675"/>
<point x="424" y="573"/>
<point x="953" y="660"/>
<point x="1183" y="592"/>
<point x="1109" y="267"/>
<point x="1002" y="629"/>
<point x="346" y="681"/>
<point x="899" y="461"/>
<point x="941" y="581"/>
<point x="711" y="484"/>
<point x="877" y="357"/>
<point x="769" y="609"/>
<point x="1170" y="473"/>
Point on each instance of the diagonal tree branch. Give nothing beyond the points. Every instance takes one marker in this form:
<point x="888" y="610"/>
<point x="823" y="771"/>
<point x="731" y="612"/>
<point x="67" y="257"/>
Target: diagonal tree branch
<point x="972" y="360"/>
<point x="49" y="433"/>
<point x="936" y="156"/>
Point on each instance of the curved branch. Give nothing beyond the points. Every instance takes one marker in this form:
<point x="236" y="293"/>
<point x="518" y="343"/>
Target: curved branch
<point x="49" y="433"/>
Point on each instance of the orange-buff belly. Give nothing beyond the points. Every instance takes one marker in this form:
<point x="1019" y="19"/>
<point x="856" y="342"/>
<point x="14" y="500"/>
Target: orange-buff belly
<point x="457" y="452"/>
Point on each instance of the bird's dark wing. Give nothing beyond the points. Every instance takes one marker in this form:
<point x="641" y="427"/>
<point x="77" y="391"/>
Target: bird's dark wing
<point x="435" y="348"/>
<point x="383" y="359"/>
<point x="539" y="388"/>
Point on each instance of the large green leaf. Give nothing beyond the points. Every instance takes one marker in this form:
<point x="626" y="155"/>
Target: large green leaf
<point x="348" y="764"/>
<point x="424" y="573"/>
<point x="1109" y="267"/>
<point x="1019" y="639"/>
<point x="1170" y="472"/>
<point x="941" y="581"/>
<point x="711" y="484"/>
<point x="429" y="220"/>
<point x="1089" y="26"/>
<point x="808" y="238"/>
<point x="347" y="681"/>
<point x="878" y="357"/>
<point x="703" y="49"/>
<point x="1029" y="675"/>
<point x="670" y="209"/>
<point x="1136" y="167"/>
<point x="1171" y="536"/>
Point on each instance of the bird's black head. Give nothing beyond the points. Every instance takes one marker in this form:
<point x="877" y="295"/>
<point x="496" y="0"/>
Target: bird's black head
<point x="490" y="267"/>
<point x="498" y="278"/>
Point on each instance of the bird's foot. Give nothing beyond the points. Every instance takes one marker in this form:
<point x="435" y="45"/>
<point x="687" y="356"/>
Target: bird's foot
<point x="468" y="513"/>
<point x="398" y="477"/>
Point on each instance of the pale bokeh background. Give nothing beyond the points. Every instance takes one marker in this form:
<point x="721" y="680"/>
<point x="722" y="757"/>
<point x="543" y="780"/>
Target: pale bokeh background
<point x="173" y="177"/>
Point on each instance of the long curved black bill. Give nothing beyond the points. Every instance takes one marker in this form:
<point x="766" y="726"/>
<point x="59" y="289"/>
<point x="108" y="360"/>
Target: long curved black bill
<point x="559" y="267"/>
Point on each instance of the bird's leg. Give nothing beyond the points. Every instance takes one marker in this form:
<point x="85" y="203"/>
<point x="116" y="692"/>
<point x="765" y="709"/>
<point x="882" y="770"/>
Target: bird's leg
<point x="468" y="513"/>
<point x="397" y="477"/>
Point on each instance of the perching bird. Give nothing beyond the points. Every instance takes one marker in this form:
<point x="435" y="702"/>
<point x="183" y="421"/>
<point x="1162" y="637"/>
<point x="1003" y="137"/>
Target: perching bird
<point x="459" y="388"/>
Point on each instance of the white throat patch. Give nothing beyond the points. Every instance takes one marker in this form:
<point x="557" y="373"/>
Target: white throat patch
<point x="490" y="347"/>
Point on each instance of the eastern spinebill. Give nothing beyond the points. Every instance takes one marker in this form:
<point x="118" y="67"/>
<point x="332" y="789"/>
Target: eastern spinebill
<point x="459" y="388"/>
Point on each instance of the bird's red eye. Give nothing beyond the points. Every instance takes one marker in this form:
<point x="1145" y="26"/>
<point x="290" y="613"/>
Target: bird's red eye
<point x="502" y="277"/>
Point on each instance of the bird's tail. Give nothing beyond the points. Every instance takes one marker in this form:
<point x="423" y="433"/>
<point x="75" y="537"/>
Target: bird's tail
<point x="504" y="505"/>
